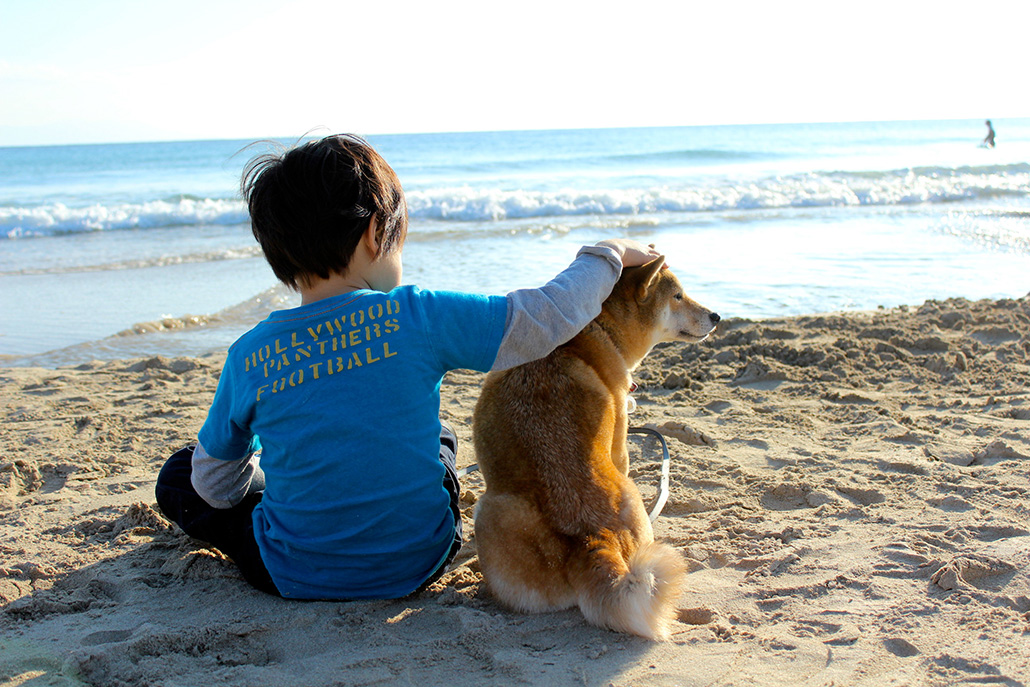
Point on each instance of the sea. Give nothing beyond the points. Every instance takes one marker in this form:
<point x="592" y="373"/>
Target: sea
<point x="140" y="249"/>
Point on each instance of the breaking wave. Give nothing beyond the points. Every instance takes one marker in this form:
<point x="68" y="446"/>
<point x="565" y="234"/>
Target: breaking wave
<point x="491" y="203"/>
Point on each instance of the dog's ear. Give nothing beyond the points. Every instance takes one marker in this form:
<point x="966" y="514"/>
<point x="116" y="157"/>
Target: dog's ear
<point x="648" y="275"/>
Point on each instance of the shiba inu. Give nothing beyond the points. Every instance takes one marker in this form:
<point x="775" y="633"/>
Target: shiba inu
<point x="560" y="523"/>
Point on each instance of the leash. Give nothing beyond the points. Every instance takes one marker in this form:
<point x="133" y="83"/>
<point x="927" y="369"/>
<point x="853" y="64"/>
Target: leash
<point x="663" y="484"/>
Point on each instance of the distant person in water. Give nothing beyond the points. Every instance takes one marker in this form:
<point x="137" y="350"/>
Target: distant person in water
<point x="988" y="141"/>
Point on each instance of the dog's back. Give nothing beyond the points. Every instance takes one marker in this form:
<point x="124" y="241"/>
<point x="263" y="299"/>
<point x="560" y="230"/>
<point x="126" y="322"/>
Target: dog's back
<point x="560" y="523"/>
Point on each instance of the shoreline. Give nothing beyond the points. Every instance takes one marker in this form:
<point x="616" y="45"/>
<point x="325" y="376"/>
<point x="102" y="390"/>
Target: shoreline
<point x="187" y="332"/>
<point x="850" y="491"/>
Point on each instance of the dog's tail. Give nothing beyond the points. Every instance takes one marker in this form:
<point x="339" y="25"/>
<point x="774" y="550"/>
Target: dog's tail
<point x="638" y="596"/>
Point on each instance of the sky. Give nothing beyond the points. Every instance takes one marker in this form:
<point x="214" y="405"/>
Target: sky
<point x="144" y="70"/>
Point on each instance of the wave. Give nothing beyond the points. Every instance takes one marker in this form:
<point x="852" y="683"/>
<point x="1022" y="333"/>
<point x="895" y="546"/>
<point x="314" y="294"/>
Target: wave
<point x="900" y="187"/>
<point x="184" y="335"/>
<point x="488" y="203"/>
<point x="1006" y="231"/>
<point x="573" y="163"/>
<point x="243" y="314"/>
<point x="241" y="253"/>
<point x="58" y="218"/>
<point x="693" y="155"/>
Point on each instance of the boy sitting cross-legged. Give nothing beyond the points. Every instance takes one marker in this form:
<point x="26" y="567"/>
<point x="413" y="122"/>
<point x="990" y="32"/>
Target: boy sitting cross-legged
<point x="356" y="493"/>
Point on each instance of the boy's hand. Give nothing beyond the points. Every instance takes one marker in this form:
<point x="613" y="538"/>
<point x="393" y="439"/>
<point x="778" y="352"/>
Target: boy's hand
<point x="633" y="253"/>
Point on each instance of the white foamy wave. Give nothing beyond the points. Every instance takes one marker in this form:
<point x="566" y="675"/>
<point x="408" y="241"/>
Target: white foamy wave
<point x="901" y="187"/>
<point x="1004" y="231"/>
<point x="58" y="218"/>
<point x="490" y="203"/>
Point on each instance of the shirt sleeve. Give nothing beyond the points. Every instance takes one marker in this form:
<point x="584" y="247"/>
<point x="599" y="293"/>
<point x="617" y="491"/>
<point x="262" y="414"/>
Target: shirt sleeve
<point x="225" y="433"/>
<point x="222" y="483"/>
<point x="540" y="320"/>
<point x="463" y="330"/>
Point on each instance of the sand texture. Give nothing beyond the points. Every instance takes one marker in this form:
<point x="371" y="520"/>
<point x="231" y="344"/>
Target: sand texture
<point x="850" y="491"/>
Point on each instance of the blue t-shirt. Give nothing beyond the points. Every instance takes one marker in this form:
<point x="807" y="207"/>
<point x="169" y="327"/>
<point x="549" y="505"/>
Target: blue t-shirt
<point x="342" y="396"/>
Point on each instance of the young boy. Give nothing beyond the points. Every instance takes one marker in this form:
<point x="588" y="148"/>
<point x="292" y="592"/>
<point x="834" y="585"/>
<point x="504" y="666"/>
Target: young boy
<point x="356" y="495"/>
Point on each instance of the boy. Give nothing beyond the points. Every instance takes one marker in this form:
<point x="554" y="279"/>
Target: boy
<point x="356" y="494"/>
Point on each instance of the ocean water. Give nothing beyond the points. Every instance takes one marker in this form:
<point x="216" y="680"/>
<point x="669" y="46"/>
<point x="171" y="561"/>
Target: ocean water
<point x="110" y="251"/>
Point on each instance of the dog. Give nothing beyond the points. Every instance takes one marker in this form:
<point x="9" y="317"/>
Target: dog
<point x="561" y="523"/>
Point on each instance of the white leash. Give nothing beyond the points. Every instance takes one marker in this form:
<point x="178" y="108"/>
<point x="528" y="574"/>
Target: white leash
<point x="663" y="485"/>
<point x="466" y="470"/>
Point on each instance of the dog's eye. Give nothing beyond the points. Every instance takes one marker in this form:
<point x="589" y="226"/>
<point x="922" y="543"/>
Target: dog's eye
<point x="678" y="296"/>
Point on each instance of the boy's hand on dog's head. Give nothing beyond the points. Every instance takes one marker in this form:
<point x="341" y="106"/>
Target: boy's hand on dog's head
<point x="633" y="253"/>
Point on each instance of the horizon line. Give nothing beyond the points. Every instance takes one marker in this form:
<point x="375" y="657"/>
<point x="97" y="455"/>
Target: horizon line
<point x="542" y="129"/>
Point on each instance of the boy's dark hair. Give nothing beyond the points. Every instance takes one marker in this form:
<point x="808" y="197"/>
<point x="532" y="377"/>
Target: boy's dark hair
<point x="310" y="206"/>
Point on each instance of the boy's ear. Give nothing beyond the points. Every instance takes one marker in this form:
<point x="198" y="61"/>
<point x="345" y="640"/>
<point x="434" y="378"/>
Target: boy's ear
<point x="370" y="239"/>
<point x="647" y="276"/>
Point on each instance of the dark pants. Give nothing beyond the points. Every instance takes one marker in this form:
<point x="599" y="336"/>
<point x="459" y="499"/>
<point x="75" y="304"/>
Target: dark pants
<point x="231" y="530"/>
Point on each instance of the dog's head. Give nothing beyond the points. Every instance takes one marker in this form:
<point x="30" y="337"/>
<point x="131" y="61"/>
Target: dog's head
<point x="652" y="298"/>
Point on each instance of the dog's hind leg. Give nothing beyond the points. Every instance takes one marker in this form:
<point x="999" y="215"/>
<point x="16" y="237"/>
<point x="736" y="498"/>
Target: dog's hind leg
<point x="522" y="560"/>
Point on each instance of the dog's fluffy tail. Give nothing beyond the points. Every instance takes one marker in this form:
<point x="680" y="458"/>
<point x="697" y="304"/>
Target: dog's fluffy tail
<point x="641" y="600"/>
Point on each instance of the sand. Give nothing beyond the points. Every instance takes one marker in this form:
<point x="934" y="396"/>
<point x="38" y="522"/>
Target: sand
<point x="850" y="491"/>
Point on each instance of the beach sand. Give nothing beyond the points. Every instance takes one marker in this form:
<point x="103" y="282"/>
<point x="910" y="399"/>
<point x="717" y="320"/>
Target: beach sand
<point x="850" y="491"/>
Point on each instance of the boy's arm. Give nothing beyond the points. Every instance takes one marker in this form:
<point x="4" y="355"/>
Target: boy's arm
<point x="540" y="320"/>
<point x="222" y="483"/>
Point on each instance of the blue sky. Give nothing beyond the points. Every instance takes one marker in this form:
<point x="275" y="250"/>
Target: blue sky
<point x="131" y="70"/>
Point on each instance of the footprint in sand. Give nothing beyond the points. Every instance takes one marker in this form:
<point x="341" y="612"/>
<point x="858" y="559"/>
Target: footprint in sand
<point x="972" y="570"/>
<point x="995" y="452"/>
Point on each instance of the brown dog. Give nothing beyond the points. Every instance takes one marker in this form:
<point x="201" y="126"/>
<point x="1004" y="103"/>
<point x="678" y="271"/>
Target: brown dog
<point x="561" y="524"/>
